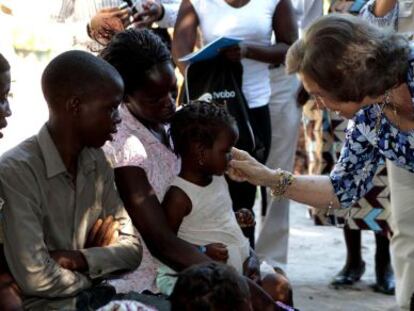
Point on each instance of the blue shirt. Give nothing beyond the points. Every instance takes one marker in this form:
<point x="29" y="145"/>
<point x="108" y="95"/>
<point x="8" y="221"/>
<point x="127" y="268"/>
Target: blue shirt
<point x="366" y="147"/>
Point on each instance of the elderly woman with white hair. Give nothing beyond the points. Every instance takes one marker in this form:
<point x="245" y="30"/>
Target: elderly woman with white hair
<point x="366" y="75"/>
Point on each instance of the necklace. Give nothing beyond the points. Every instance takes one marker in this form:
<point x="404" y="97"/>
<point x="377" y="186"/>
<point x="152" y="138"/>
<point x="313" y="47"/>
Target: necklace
<point x="385" y="102"/>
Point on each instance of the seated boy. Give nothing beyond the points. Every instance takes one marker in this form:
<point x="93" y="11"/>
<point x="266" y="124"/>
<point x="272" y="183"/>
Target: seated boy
<point x="64" y="225"/>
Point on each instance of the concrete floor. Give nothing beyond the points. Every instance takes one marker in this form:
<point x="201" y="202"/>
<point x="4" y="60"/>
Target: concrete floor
<point x="316" y="254"/>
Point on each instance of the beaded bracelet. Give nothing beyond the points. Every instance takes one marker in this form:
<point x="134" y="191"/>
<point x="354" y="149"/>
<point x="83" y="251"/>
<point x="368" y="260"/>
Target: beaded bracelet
<point x="285" y="179"/>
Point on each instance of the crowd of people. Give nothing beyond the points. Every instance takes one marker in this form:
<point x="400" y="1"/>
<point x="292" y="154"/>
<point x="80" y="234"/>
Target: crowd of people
<point x="131" y="197"/>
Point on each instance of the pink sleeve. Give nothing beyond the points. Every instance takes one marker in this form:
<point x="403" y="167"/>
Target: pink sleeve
<point x="126" y="152"/>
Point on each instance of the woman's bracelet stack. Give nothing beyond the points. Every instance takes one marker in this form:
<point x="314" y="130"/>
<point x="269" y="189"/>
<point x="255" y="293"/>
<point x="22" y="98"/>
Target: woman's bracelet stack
<point x="284" y="180"/>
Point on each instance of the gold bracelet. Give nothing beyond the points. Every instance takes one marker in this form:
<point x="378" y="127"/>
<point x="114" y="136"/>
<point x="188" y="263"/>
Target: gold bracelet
<point x="284" y="180"/>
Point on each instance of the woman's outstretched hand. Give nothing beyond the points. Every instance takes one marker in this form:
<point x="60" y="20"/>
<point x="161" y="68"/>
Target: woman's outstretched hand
<point x="243" y="167"/>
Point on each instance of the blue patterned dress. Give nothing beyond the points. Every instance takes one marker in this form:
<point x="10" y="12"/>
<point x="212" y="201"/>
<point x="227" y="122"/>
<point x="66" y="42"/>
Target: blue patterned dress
<point x="366" y="147"/>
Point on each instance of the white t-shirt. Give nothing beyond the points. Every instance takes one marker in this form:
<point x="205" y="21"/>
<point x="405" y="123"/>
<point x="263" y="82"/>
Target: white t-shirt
<point x="307" y="11"/>
<point x="253" y="24"/>
<point x="212" y="219"/>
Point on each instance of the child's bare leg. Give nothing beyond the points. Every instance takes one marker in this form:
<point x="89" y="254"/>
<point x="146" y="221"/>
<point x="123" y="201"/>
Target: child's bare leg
<point x="278" y="287"/>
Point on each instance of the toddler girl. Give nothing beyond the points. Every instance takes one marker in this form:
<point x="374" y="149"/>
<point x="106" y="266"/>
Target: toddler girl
<point x="198" y="204"/>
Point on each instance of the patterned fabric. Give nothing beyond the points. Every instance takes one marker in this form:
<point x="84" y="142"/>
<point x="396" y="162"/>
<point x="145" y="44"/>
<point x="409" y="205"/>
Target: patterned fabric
<point x="134" y="145"/>
<point x="366" y="147"/>
<point x="325" y="135"/>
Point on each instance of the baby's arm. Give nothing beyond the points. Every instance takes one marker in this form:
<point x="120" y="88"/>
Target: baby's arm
<point x="176" y="206"/>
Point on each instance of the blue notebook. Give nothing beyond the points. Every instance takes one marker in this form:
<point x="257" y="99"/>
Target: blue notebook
<point x="210" y="50"/>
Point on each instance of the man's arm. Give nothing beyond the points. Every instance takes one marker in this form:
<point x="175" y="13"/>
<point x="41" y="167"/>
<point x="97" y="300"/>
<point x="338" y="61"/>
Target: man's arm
<point x="28" y="258"/>
<point x="102" y="25"/>
<point x="126" y="252"/>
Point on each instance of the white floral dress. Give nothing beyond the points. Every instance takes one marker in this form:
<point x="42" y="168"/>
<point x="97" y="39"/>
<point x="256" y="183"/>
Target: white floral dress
<point x="134" y="145"/>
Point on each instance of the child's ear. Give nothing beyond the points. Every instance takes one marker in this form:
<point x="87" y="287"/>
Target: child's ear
<point x="73" y="106"/>
<point x="200" y="151"/>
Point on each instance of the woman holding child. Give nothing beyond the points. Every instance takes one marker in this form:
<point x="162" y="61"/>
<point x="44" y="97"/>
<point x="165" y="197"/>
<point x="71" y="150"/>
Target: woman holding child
<point x="144" y="162"/>
<point x="140" y="151"/>
<point x="142" y="155"/>
<point x="366" y="75"/>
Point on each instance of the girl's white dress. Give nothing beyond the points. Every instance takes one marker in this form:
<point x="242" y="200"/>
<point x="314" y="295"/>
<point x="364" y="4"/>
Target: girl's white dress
<point x="211" y="220"/>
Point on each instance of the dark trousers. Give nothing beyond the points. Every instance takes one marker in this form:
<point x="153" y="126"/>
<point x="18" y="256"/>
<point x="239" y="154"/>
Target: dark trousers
<point x="243" y="194"/>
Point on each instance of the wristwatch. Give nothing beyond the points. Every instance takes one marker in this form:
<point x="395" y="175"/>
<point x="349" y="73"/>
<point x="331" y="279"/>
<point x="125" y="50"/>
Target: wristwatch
<point x="202" y="249"/>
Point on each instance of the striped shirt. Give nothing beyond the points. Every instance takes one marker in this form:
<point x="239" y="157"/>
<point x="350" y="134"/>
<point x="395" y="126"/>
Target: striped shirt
<point x="80" y="12"/>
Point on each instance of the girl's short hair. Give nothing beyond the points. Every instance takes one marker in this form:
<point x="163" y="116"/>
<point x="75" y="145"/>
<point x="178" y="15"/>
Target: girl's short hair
<point x="133" y="53"/>
<point x="4" y="64"/>
<point x="199" y="121"/>
<point x="208" y="287"/>
<point x="350" y="58"/>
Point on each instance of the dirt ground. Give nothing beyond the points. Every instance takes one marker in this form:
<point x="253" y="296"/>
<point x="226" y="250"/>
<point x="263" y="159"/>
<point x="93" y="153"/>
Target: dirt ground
<point x="316" y="254"/>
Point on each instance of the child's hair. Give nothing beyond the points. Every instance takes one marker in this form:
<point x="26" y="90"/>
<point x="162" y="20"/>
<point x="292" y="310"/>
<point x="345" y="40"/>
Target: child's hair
<point x="209" y="286"/>
<point x="199" y="121"/>
<point x="4" y="64"/>
<point x="133" y="53"/>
